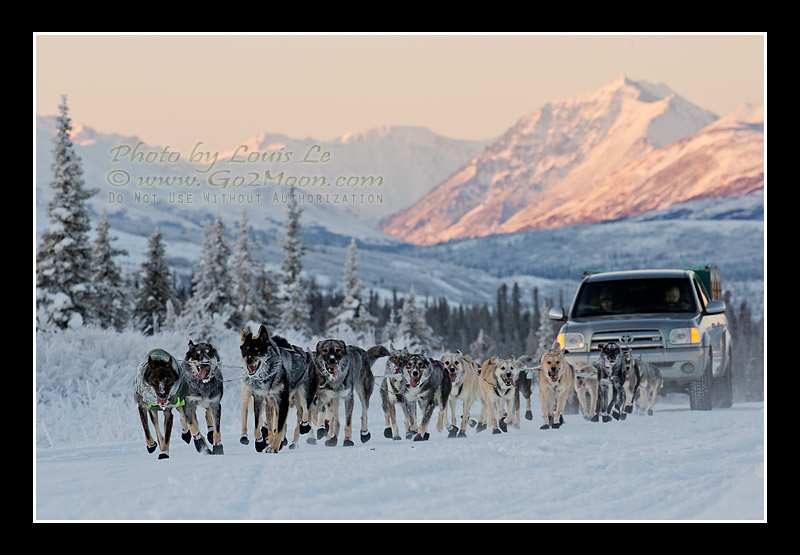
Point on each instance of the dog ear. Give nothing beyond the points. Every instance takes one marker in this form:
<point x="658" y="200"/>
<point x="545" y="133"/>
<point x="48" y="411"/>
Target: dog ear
<point x="565" y="352"/>
<point x="422" y="352"/>
<point x="458" y="352"/>
<point x="318" y="345"/>
<point x="601" y="346"/>
<point x="262" y="332"/>
<point x="245" y="334"/>
<point x="190" y="343"/>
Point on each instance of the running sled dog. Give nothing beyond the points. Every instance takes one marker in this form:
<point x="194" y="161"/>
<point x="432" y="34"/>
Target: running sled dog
<point x="497" y="385"/>
<point x="393" y="389"/>
<point x="277" y="375"/>
<point x="342" y="371"/>
<point x="555" y="385"/>
<point x="463" y="374"/>
<point x="159" y="385"/>
<point x="429" y="385"/>
<point x="201" y="368"/>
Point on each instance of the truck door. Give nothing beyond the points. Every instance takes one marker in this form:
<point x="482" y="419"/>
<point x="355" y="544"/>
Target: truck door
<point x="716" y="327"/>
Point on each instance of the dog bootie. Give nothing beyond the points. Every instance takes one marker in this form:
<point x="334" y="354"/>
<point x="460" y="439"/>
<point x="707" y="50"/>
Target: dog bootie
<point x="305" y="427"/>
<point x="348" y="442"/>
<point x="387" y="432"/>
<point x="244" y="440"/>
<point x="332" y="442"/>
<point x="152" y="448"/>
<point x="186" y="435"/>
<point x="364" y="436"/>
<point x="217" y="449"/>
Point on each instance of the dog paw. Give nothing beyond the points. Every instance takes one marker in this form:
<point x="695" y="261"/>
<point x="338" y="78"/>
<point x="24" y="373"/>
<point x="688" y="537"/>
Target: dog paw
<point x="410" y="434"/>
<point x="462" y="434"/>
<point x="649" y="412"/>
<point x="323" y="431"/>
<point x="595" y="418"/>
<point x="163" y="456"/>
<point x="629" y="408"/>
<point x="503" y="425"/>
<point x="186" y="436"/>
<point x="331" y="442"/>
<point x="422" y="437"/>
<point x="364" y="436"/>
<point x="623" y="415"/>
<point x="615" y="414"/>
<point x="347" y="442"/>
<point x="556" y="426"/>
<point x="472" y="423"/>
<point x="496" y="431"/>
<point x="260" y="444"/>
<point x="606" y="418"/>
<point x="480" y="427"/>
<point x="452" y="432"/>
<point x="305" y="427"/>
<point x="528" y="415"/>
<point x="210" y="436"/>
<point x="311" y="441"/>
<point x="397" y="438"/>
<point x="200" y="445"/>
<point x="217" y="450"/>
<point x="292" y="446"/>
<point x="387" y="433"/>
<point x="244" y="440"/>
<point x="544" y="427"/>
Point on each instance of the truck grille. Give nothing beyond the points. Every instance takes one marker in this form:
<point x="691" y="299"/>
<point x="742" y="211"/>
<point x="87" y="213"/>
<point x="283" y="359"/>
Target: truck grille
<point x="635" y="339"/>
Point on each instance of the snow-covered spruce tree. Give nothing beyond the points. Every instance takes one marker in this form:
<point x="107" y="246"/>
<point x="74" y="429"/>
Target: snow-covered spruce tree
<point x="244" y="287"/>
<point x="267" y="299"/>
<point x="295" y="310"/>
<point x="154" y="287"/>
<point x="546" y="335"/>
<point x="63" y="260"/>
<point x="210" y="305"/>
<point x="391" y="331"/>
<point x="414" y="331"/>
<point x="483" y="348"/>
<point x="112" y="297"/>
<point x="351" y="320"/>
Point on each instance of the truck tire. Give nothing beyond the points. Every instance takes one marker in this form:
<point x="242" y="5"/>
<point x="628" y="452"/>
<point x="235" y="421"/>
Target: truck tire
<point x="701" y="390"/>
<point x="723" y="388"/>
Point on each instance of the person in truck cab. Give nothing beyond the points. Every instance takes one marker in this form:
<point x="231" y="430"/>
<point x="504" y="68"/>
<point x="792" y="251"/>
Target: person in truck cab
<point x="673" y="303"/>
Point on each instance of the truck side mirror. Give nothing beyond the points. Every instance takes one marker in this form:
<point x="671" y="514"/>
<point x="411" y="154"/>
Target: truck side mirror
<point x="556" y="313"/>
<point x="715" y="307"/>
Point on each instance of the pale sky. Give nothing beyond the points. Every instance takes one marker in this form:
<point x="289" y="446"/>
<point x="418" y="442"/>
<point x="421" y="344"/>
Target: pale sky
<point x="225" y="89"/>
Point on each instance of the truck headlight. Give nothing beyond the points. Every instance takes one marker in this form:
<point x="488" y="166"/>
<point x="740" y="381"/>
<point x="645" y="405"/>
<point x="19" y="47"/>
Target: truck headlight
<point x="571" y="341"/>
<point x="684" y="336"/>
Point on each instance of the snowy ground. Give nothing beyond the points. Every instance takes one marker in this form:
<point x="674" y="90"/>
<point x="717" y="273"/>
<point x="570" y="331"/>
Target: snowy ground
<point x="676" y="465"/>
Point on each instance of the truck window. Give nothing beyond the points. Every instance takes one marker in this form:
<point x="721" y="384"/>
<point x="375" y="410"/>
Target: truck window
<point x="700" y="293"/>
<point x="635" y="296"/>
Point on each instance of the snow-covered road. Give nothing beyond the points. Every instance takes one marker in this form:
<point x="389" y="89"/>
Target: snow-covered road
<point x="676" y="465"/>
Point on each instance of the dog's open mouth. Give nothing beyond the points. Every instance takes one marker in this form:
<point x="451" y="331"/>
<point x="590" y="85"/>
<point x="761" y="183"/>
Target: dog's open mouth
<point x="554" y="376"/>
<point x="253" y="368"/>
<point x="333" y="369"/>
<point x="508" y="381"/>
<point x="415" y="381"/>
<point x="453" y="377"/>
<point x="202" y="370"/>
<point x="162" y="402"/>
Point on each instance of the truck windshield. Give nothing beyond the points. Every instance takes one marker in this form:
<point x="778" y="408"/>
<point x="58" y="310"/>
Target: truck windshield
<point x="634" y="296"/>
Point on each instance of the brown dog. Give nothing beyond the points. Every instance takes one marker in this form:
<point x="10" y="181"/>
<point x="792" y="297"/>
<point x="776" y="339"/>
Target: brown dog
<point x="497" y="386"/>
<point x="555" y="385"/>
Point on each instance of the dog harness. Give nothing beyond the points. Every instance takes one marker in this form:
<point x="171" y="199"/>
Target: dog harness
<point x="179" y="390"/>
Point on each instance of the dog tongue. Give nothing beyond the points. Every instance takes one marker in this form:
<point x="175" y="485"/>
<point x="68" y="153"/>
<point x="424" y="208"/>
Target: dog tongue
<point x="414" y="381"/>
<point x="161" y="401"/>
<point x="202" y="373"/>
<point x="335" y="371"/>
<point x="452" y="377"/>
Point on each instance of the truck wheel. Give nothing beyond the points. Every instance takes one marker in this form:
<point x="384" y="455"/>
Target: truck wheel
<point x="723" y="388"/>
<point x="700" y="390"/>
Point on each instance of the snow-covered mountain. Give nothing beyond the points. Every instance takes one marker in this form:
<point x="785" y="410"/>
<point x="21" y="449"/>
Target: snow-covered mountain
<point x="556" y="154"/>
<point x="723" y="159"/>
<point x="410" y="160"/>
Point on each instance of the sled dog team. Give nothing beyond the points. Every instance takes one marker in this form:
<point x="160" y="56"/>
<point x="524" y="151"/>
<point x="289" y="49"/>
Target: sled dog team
<point x="277" y="376"/>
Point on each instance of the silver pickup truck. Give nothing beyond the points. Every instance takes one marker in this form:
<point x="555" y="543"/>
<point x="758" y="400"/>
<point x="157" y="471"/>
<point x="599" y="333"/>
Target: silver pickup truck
<point x="668" y="316"/>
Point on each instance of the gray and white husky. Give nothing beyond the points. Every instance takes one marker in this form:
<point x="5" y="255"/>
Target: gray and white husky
<point x="650" y="382"/>
<point x="342" y="371"/>
<point x="429" y="385"/>
<point x="393" y="389"/>
<point x="201" y="367"/>
<point x="279" y="374"/>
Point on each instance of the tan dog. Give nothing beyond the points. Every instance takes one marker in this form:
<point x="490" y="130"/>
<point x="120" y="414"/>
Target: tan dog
<point x="463" y="374"/>
<point x="555" y="384"/>
<point x="497" y="386"/>
<point x="586" y="384"/>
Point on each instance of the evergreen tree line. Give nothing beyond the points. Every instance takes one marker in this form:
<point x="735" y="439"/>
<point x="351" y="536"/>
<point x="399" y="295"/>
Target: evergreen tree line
<point x="80" y="283"/>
